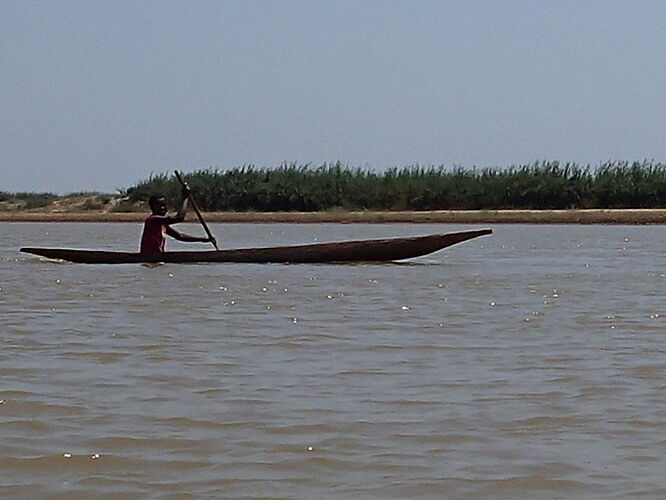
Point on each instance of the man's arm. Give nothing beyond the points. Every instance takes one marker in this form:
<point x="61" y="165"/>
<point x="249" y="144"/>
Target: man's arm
<point x="185" y="237"/>
<point x="166" y="220"/>
<point x="179" y="217"/>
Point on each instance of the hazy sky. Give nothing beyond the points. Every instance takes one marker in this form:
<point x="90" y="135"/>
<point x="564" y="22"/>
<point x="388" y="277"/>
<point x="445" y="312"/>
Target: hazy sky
<point x="96" y="95"/>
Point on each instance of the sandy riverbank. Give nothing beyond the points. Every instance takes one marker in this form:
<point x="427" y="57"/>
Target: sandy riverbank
<point x="622" y="216"/>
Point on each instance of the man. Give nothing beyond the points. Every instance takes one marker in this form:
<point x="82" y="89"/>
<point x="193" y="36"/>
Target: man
<point x="159" y="223"/>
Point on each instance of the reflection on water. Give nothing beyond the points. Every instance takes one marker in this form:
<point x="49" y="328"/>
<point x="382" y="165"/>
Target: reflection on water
<point x="525" y="364"/>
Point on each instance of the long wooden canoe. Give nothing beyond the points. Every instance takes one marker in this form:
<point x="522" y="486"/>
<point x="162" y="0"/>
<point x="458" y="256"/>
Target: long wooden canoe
<point x="383" y="250"/>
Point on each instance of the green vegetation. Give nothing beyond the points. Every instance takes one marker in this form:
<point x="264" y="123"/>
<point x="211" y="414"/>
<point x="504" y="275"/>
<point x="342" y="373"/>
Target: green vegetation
<point x="28" y="200"/>
<point x="542" y="185"/>
<point x="291" y="187"/>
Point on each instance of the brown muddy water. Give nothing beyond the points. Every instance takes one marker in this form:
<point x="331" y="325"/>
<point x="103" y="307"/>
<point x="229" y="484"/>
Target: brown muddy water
<point x="526" y="364"/>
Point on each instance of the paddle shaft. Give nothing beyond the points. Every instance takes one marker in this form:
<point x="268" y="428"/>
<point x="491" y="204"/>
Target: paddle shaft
<point x="196" y="209"/>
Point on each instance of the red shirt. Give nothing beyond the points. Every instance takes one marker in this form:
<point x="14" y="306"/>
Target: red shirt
<point x="152" y="240"/>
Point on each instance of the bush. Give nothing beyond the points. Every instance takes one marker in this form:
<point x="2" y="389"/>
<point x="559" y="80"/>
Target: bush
<point x="542" y="185"/>
<point x="292" y="187"/>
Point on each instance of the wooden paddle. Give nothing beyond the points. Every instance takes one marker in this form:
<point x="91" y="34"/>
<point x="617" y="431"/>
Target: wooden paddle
<point x="196" y="209"/>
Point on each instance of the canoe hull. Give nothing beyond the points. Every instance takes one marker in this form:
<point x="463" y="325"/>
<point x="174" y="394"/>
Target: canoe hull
<point x="380" y="250"/>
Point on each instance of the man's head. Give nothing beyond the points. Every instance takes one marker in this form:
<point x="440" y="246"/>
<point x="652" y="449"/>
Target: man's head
<point x="158" y="205"/>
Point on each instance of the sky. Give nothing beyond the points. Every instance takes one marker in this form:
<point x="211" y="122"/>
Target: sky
<point x="97" y="95"/>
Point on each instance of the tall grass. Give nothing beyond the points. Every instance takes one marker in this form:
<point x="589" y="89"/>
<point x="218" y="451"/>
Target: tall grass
<point x="541" y="185"/>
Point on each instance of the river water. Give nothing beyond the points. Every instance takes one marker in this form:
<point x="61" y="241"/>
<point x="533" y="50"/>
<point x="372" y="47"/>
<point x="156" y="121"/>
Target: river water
<point x="526" y="364"/>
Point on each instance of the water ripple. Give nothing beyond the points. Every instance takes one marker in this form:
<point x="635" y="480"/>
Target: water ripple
<point x="530" y="368"/>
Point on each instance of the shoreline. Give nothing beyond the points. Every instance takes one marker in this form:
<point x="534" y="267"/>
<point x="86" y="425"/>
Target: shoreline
<point x="588" y="216"/>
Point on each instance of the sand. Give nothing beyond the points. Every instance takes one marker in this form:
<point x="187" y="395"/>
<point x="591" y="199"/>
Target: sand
<point x="595" y="216"/>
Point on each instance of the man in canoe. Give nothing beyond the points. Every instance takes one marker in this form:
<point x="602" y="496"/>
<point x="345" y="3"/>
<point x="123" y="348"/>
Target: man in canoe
<point x="159" y="223"/>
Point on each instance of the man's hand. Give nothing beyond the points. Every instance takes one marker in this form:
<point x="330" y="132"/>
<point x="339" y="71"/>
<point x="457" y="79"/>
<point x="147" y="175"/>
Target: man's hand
<point x="185" y="190"/>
